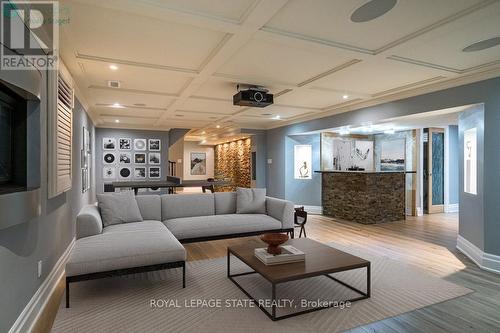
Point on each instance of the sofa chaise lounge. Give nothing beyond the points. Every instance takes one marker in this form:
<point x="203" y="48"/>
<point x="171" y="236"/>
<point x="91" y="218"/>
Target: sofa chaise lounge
<point x="167" y="221"/>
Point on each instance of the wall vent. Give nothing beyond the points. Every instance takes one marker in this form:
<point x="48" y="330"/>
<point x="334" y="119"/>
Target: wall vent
<point x="114" y="84"/>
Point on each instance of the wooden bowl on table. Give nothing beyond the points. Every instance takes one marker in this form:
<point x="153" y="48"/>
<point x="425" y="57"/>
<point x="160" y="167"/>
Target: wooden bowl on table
<point x="274" y="240"/>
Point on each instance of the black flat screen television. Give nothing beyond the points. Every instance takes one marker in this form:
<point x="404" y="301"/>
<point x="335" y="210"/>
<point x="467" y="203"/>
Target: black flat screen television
<point x="13" y="141"/>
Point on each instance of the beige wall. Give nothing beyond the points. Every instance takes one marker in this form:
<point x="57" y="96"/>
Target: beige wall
<point x="194" y="147"/>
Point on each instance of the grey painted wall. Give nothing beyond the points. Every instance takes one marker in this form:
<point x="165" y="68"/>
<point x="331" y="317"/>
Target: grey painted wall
<point x="132" y="134"/>
<point x="175" y="134"/>
<point x="303" y="191"/>
<point x="491" y="171"/>
<point x="480" y="92"/>
<point x="45" y="237"/>
<point x="471" y="207"/>
<point x="453" y="162"/>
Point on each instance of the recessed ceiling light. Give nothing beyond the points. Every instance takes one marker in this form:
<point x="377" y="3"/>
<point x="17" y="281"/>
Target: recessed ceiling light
<point x="345" y="96"/>
<point x="218" y="126"/>
<point x="117" y="120"/>
<point x="482" y="45"/>
<point x="113" y="67"/>
<point x="372" y="9"/>
<point x="203" y="132"/>
<point x="203" y="141"/>
<point x="117" y="106"/>
<point x="277" y="117"/>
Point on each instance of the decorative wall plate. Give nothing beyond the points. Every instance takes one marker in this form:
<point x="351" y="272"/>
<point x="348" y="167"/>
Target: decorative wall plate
<point x="109" y="158"/>
<point x="140" y="173"/>
<point x="154" y="172"/>
<point x="125" y="144"/>
<point x="140" y="158"/>
<point x="154" y="158"/>
<point x="140" y="144"/>
<point x="125" y="172"/>
<point x="108" y="173"/>
<point x="154" y="144"/>
<point x="108" y="143"/>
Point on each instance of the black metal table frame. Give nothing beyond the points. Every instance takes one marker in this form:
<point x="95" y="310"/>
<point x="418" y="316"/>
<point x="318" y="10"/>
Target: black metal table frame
<point x="272" y="314"/>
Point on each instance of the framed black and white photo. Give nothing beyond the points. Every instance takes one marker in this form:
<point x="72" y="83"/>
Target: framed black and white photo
<point x="108" y="143"/>
<point x="140" y="158"/>
<point x="125" y="144"/>
<point x="140" y="144"/>
<point x="125" y="158"/>
<point x="125" y="173"/>
<point x="154" y="144"/>
<point x="109" y="158"/>
<point x="140" y="173"/>
<point x="108" y="173"/>
<point x="154" y="172"/>
<point x="154" y="158"/>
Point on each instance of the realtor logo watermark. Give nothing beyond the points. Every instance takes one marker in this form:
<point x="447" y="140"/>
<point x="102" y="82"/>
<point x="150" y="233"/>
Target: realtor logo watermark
<point x="36" y="47"/>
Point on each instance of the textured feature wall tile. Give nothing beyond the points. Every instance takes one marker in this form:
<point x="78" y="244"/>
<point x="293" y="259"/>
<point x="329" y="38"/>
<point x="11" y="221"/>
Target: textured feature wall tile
<point x="232" y="160"/>
<point x="364" y="197"/>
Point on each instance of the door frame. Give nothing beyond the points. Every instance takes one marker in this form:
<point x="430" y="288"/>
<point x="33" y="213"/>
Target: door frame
<point x="430" y="207"/>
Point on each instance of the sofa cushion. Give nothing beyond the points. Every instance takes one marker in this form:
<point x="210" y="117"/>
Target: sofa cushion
<point x="250" y="200"/>
<point x="125" y="246"/>
<point x="205" y="226"/>
<point x="118" y="208"/>
<point x="150" y="206"/>
<point x="225" y="203"/>
<point x="187" y="205"/>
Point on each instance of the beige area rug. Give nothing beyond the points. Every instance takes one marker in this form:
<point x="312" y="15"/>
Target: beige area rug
<point x="212" y="303"/>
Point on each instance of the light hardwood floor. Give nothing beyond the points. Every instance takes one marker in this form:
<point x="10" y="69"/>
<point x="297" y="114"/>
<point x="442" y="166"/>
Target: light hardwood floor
<point x="427" y="242"/>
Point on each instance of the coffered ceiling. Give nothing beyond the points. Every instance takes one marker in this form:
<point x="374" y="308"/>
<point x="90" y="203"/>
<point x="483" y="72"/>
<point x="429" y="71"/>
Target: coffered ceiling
<point x="179" y="61"/>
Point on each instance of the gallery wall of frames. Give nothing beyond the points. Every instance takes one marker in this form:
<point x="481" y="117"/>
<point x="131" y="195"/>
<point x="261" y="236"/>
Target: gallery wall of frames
<point x="130" y="155"/>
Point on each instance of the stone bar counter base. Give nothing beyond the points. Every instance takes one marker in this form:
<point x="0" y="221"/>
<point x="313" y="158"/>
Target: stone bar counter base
<point x="364" y="197"/>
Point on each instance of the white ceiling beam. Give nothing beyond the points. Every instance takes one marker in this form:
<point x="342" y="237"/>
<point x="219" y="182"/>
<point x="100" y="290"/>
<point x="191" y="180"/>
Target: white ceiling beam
<point x="259" y="15"/>
<point x="164" y="12"/>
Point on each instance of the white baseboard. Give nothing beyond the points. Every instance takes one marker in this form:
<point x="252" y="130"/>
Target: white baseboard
<point x="451" y="208"/>
<point x="31" y="312"/>
<point x="488" y="262"/>
<point x="313" y="210"/>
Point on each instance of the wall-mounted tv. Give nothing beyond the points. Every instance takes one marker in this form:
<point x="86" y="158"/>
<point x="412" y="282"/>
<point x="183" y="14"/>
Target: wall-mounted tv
<point x="13" y="141"/>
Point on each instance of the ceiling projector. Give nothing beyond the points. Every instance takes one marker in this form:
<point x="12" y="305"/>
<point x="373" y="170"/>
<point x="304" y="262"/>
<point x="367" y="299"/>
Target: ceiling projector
<point x="253" y="97"/>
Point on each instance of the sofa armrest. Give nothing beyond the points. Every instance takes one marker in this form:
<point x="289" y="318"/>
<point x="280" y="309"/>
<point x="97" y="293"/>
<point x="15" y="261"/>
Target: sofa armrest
<point x="282" y="210"/>
<point x="88" y="222"/>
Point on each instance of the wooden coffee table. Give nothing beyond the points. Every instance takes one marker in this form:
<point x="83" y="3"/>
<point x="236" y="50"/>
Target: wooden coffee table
<point x="321" y="260"/>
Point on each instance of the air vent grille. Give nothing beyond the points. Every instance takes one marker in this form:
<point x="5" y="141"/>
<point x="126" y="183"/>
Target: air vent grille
<point x="114" y="84"/>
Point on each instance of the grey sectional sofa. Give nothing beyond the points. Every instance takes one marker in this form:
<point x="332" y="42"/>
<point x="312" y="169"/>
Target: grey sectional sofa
<point x="168" y="221"/>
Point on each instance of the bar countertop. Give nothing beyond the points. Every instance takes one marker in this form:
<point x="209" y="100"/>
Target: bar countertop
<point x="360" y="171"/>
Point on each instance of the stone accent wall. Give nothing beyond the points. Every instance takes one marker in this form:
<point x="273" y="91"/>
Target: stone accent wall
<point x="366" y="198"/>
<point x="232" y="160"/>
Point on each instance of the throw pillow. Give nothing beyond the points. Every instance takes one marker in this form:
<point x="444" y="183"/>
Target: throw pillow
<point x="250" y="200"/>
<point x="118" y="208"/>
